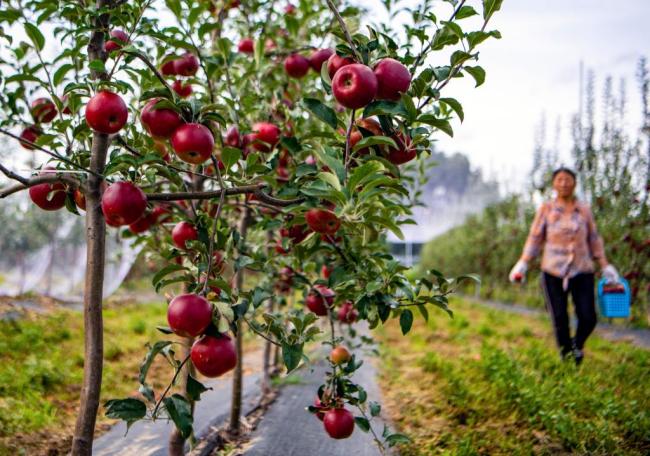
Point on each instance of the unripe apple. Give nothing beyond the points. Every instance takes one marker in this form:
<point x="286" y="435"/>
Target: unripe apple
<point x="118" y="39"/>
<point x="49" y="197"/>
<point x="393" y="79"/>
<point x="193" y="143"/>
<point x="246" y="46"/>
<point x="347" y="313"/>
<point x="168" y="68"/>
<point x="354" y="86"/>
<point x="266" y="133"/>
<point x="123" y="203"/>
<point x="296" y="66"/>
<point x="319" y="299"/>
<point x="340" y="355"/>
<point x="404" y="152"/>
<point x="318" y="57"/>
<point x="43" y="110"/>
<point x="182" y="90"/>
<point x="106" y="112"/>
<point x="186" y="65"/>
<point x="339" y="423"/>
<point x="322" y="221"/>
<point x="30" y="134"/>
<point x="188" y="315"/>
<point x="183" y="232"/>
<point x="214" y="356"/>
<point x="159" y="122"/>
<point x="335" y="62"/>
<point x="233" y="138"/>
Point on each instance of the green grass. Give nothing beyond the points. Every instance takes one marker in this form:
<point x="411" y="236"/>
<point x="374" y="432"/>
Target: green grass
<point x="495" y="385"/>
<point x="41" y="369"/>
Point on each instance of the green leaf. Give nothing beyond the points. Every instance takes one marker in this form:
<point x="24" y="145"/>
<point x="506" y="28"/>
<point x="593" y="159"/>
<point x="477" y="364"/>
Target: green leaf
<point x="180" y="411"/>
<point x="375" y="408"/>
<point x="440" y="124"/>
<point x="455" y="105"/>
<point x="374" y="141"/>
<point x="406" y="321"/>
<point x="477" y="72"/>
<point x="291" y="355"/>
<point x="97" y="65"/>
<point x="60" y="73"/>
<point x="195" y="388"/>
<point x="129" y="410"/>
<point x="490" y="7"/>
<point x="396" y="438"/>
<point x="363" y="423"/>
<point x="158" y="347"/>
<point x="473" y="277"/>
<point x="35" y="36"/>
<point x="330" y="179"/>
<point x="323" y="112"/>
<point x="380" y="107"/>
<point x="465" y="11"/>
<point x="165" y="271"/>
<point x="230" y="156"/>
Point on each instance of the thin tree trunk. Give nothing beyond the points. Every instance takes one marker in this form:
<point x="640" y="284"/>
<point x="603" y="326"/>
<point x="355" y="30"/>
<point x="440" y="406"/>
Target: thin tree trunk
<point x="82" y="441"/>
<point x="176" y="440"/>
<point x="235" y="409"/>
<point x="266" y="379"/>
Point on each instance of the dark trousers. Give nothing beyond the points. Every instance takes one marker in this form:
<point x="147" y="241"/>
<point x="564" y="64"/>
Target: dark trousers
<point x="581" y="288"/>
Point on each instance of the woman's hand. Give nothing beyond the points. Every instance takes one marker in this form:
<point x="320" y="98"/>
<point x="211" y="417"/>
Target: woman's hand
<point x="518" y="272"/>
<point x="611" y="274"/>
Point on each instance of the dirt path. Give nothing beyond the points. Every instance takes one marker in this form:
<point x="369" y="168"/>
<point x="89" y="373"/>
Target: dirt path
<point x="636" y="336"/>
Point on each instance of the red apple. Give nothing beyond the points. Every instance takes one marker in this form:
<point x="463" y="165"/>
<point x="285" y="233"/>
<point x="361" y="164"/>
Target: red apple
<point x="322" y="409"/>
<point x="289" y="9"/>
<point x="317" y="58"/>
<point x="183" y="232"/>
<point x="49" y="197"/>
<point x="354" y="86"/>
<point x="106" y="112"/>
<point x="43" y="110"/>
<point x="168" y="68"/>
<point x="159" y="122"/>
<point x="518" y="277"/>
<point x="283" y="174"/>
<point x="30" y="134"/>
<point x="404" y="152"/>
<point x="322" y="221"/>
<point x="118" y="39"/>
<point x="233" y="138"/>
<point x="193" y="143"/>
<point x="266" y="133"/>
<point x="189" y="315"/>
<point x="336" y="62"/>
<point x="339" y="423"/>
<point x="296" y="66"/>
<point x="214" y="356"/>
<point x="319" y="299"/>
<point x="393" y="79"/>
<point x="371" y="127"/>
<point x="325" y="271"/>
<point x="66" y="105"/>
<point x="123" y="203"/>
<point x="161" y="213"/>
<point x="186" y="65"/>
<point x="297" y="233"/>
<point x="182" y="90"/>
<point x="347" y="313"/>
<point x="143" y="223"/>
<point x="247" y="46"/>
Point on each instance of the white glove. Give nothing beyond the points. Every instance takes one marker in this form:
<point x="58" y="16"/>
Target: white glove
<point x="518" y="272"/>
<point x="610" y="274"/>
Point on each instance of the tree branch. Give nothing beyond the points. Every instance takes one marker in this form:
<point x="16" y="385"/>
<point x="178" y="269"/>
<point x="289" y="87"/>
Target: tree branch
<point x="27" y="183"/>
<point x="177" y="196"/>
<point x="151" y="66"/>
<point x="344" y="27"/>
<point x="266" y="198"/>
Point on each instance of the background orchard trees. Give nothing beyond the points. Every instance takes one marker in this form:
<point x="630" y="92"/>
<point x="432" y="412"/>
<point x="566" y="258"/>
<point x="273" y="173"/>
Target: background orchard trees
<point x="238" y="138"/>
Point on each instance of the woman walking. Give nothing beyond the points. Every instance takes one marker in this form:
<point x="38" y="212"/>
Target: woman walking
<point x="564" y="227"/>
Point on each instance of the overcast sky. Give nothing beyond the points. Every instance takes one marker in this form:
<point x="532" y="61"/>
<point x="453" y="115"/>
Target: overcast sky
<point x="534" y="69"/>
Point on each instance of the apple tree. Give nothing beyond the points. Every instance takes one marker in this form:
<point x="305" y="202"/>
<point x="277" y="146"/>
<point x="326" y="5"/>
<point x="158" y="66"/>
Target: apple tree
<point x="260" y="152"/>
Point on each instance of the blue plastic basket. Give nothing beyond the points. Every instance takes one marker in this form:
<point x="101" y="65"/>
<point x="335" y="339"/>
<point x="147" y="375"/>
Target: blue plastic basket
<point x="614" y="305"/>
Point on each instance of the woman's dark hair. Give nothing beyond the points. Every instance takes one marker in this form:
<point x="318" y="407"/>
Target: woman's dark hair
<point x="563" y="169"/>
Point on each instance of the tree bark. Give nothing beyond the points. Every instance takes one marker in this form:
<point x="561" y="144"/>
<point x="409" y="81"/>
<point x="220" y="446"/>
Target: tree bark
<point x="93" y="294"/>
<point x="82" y="442"/>
<point x="266" y="378"/>
<point x="235" y="409"/>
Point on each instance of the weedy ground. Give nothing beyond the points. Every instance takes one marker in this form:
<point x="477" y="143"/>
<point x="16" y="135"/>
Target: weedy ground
<point x="487" y="382"/>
